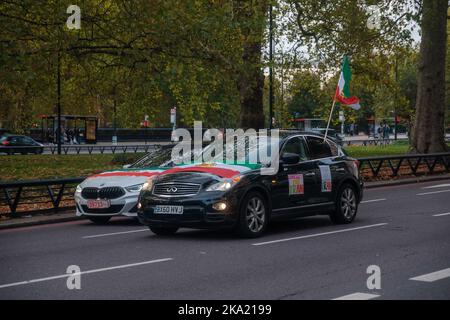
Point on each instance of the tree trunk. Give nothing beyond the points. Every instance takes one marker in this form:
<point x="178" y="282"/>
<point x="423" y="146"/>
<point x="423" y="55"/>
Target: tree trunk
<point x="250" y="79"/>
<point x="250" y="85"/>
<point x="428" y="131"/>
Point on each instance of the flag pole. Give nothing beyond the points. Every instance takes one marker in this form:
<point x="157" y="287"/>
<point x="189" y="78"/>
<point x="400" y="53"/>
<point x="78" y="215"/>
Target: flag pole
<point x="329" y="118"/>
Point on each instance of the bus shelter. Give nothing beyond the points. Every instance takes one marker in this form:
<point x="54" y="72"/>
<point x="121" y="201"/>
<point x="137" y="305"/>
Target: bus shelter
<point x="74" y="128"/>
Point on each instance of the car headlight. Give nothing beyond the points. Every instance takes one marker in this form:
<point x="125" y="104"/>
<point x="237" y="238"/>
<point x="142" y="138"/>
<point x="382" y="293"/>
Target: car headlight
<point x="224" y="184"/>
<point x="148" y="185"/>
<point x="135" y="188"/>
<point x="78" y="189"/>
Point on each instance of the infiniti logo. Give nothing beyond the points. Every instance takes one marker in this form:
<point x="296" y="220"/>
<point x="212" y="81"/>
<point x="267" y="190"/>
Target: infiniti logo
<point x="172" y="189"/>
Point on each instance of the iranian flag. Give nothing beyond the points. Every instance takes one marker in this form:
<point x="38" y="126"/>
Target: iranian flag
<point x="343" y="88"/>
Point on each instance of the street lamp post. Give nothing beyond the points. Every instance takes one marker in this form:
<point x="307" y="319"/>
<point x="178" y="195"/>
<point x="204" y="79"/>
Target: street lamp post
<point x="271" y="49"/>
<point x="58" y="103"/>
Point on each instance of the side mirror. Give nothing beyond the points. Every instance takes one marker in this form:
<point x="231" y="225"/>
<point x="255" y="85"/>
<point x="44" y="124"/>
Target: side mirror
<point x="289" y="158"/>
<point x="126" y="166"/>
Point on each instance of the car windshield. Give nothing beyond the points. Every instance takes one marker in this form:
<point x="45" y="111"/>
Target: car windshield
<point x="162" y="156"/>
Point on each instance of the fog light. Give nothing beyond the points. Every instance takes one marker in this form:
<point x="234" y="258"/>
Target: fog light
<point x="219" y="206"/>
<point x="139" y="205"/>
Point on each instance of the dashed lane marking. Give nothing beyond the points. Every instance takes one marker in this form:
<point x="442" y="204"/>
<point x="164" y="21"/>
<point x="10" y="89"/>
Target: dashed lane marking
<point x="373" y="200"/>
<point x="358" y="296"/>
<point x="15" y="284"/>
<point x="432" y="192"/>
<point x="113" y="234"/>
<point x="434" y="276"/>
<point x="320" y="234"/>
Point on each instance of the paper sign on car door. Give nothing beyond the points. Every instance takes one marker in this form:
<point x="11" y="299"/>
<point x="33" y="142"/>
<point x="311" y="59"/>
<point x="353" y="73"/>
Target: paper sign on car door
<point x="325" y="175"/>
<point x="296" y="185"/>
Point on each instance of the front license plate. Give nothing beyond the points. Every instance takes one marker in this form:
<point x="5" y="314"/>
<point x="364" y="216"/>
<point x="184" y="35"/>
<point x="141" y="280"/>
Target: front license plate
<point x="168" y="209"/>
<point x="98" y="204"/>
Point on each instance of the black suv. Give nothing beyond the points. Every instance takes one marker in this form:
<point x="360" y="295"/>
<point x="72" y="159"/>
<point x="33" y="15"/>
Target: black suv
<point x="314" y="177"/>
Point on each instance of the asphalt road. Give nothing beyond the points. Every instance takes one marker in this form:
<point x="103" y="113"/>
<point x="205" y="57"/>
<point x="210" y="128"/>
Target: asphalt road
<point x="404" y="230"/>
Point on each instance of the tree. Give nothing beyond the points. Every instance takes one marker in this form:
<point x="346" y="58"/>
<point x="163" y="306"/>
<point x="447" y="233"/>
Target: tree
<point x="250" y="16"/>
<point x="428" y="130"/>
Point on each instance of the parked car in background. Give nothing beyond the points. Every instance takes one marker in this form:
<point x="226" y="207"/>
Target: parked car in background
<point x="11" y="144"/>
<point x="331" y="133"/>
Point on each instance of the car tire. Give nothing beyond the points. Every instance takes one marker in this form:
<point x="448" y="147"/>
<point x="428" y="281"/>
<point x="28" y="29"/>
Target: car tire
<point x="99" y="220"/>
<point x="39" y="151"/>
<point x="346" y="205"/>
<point x="253" y="216"/>
<point x="161" y="231"/>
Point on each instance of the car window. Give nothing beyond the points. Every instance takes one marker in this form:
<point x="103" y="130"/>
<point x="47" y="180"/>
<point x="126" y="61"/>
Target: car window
<point x="27" y="141"/>
<point x="295" y="145"/>
<point x="318" y="148"/>
<point x="14" y="140"/>
<point x="334" y="148"/>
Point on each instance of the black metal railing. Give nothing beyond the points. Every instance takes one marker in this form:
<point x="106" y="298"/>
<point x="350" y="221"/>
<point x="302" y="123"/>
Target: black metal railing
<point x="36" y="195"/>
<point x="411" y="164"/>
<point x="28" y="197"/>
<point x="81" y="149"/>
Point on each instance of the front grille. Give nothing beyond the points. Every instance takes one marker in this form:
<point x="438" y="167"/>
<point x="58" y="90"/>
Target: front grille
<point x="102" y="193"/>
<point x="89" y="193"/>
<point x="115" y="208"/>
<point x="176" y="189"/>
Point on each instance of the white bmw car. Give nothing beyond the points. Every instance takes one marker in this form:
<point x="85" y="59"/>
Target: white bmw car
<point x="115" y="193"/>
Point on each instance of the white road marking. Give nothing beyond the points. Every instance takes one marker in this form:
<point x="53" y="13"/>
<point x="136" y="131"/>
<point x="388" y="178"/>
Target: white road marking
<point x="432" y="192"/>
<point x="320" y="234"/>
<point x="441" y="214"/>
<point x="358" y="296"/>
<point x="113" y="234"/>
<point x="443" y="185"/>
<point x="434" y="276"/>
<point x="83" y="272"/>
<point x="374" y="200"/>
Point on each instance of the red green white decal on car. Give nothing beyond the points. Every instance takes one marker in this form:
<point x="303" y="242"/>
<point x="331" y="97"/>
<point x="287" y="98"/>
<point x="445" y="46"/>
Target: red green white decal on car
<point x="222" y="170"/>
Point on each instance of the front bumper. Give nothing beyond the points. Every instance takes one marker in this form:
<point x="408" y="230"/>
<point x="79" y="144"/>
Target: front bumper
<point x="123" y="206"/>
<point x="198" y="211"/>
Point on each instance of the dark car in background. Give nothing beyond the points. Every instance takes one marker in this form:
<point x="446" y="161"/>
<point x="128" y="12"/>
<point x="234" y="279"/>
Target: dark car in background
<point x="11" y="144"/>
<point x="314" y="177"/>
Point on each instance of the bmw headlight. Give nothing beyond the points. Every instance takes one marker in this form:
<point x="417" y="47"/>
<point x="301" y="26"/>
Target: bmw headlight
<point x="224" y="184"/>
<point x="135" y="188"/>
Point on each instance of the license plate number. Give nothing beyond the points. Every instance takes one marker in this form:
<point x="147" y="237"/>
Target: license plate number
<point x="168" y="209"/>
<point x="98" y="204"/>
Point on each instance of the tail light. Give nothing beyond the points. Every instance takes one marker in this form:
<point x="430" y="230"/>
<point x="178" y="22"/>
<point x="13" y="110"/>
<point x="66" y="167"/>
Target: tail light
<point x="356" y="167"/>
<point x="5" y="143"/>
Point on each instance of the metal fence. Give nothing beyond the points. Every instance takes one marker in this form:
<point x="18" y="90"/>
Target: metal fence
<point x="37" y="196"/>
<point x="411" y="164"/>
<point x="81" y="149"/>
<point x="28" y="197"/>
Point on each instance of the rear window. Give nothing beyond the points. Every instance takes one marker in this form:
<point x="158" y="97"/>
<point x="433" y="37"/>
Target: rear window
<point x="318" y="148"/>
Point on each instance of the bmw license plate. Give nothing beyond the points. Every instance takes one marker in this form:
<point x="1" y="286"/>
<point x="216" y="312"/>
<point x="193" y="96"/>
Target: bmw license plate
<point x="168" y="210"/>
<point x="98" y="204"/>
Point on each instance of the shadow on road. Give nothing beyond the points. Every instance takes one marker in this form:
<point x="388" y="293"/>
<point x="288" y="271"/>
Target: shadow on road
<point x="274" y="228"/>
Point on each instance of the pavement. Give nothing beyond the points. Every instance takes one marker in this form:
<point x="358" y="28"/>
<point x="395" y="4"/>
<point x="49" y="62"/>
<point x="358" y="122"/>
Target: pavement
<point x="402" y="231"/>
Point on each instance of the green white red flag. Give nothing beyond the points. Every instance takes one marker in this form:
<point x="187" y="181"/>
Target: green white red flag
<point x="342" y="94"/>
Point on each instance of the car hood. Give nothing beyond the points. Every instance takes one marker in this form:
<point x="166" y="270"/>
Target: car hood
<point x="124" y="178"/>
<point x="194" y="173"/>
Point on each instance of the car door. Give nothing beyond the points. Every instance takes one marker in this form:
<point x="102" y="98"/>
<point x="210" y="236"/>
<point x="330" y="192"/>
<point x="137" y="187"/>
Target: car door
<point x="329" y="167"/>
<point x="294" y="183"/>
<point x="15" y="142"/>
